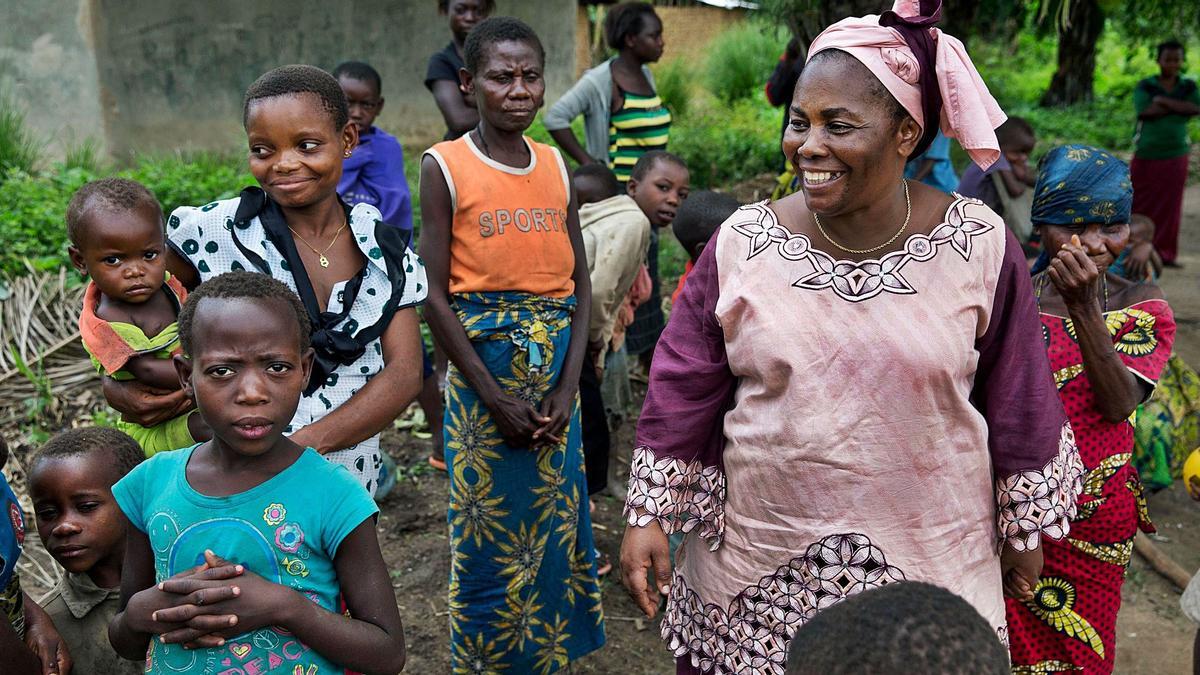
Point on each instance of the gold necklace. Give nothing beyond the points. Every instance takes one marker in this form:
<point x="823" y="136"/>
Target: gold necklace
<point x="907" y="216"/>
<point x="321" y="255"/>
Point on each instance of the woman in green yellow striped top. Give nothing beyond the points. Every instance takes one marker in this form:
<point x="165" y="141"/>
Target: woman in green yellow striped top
<point x="623" y="116"/>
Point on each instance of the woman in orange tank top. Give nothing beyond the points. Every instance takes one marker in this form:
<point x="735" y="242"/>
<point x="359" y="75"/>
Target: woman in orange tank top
<point x="509" y="302"/>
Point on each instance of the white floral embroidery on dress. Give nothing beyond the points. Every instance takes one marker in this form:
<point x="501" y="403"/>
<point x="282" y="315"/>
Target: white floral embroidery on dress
<point x="1041" y="501"/>
<point x="751" y="636"/>
<point x="862" y="280"/>
<point x="681" y="496"/>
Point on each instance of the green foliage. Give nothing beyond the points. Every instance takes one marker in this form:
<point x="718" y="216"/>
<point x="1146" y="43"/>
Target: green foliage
<point x="188" y="179"/>
<point x="740" y="59"/>
<point x="83" y="155"/>
<point x="19" y="148"/>
<point x="32" y="217"/>
<point x="42" y="409"/>
<point x="727" y="144"/>
<point x="33" y="206"/>
<point x="1018" y="72"/>
<point x="673" y="81"/>
<point x="672" y="260"/>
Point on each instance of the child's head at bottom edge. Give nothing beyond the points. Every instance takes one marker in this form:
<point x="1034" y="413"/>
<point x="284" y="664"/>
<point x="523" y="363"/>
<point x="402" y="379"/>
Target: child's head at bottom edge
<point x="115" y="227"/>
<point x="246" y="358"/>
<point x="899" y="628"/>
<point x="70" y="484"/>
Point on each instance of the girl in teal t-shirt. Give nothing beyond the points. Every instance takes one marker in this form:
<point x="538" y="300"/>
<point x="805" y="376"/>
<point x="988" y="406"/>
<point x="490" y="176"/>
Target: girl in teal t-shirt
<point x="244" y="550"/>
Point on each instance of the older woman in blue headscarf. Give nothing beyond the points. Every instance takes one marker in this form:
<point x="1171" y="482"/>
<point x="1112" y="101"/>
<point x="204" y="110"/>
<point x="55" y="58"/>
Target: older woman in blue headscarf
<point x="1107" y="339"/>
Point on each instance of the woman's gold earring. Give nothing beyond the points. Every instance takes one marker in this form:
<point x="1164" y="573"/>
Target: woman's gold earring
<point x="348" y="152"/>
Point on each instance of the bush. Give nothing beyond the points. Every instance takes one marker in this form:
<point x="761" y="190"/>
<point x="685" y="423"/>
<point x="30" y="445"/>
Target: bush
<point x="191" y="179"/>
<point x="673" y="80"/>
<point x="33" y="208"/>
<point x="727" y="144"/>
<point x="740" y="59"/>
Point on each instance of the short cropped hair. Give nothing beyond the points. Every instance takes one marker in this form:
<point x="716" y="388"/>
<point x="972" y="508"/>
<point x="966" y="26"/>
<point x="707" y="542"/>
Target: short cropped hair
<point x="108" y="193"/>
<point x="235" y="285"/>
<point x="489" y="6"/>
<point x="357" y="70"/>
<point x="1170" y="45"/>
<point x="495" y="30"/>
<point x="123" y="451"/>
<point x="700" y="215"/>
<point x="648" y="160"/>
<point x="300" y="79"/>
<point x="905" y="627"/>
<point x="602" y="175"/>
<point x="627" y="18"/>
<point x="1013" y="129"/>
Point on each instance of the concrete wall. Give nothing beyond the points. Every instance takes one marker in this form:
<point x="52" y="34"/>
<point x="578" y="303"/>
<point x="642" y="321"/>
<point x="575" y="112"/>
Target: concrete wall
<point x="151" y="76"/>
<point x="48" y="66"/>
<point x="687" y="32"/>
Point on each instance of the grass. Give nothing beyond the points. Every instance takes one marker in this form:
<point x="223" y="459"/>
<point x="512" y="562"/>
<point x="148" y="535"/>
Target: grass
<point x="19" y="148"/>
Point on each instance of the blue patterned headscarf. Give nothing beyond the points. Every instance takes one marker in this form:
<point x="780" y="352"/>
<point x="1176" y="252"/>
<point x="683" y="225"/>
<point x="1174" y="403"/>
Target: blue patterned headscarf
<point x="1081" y="184"/>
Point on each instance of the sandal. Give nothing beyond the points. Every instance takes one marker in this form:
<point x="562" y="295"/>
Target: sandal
<point x="437" y="463"/>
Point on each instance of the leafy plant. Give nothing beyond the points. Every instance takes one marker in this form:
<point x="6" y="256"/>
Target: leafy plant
<point x="42" y="407"/>
<point x="725" y="144"/>
<point x="740" y="59"/>
<point x="191" y="178"/>
<point x="33" y="210"/>
<point x="673" y="80"/>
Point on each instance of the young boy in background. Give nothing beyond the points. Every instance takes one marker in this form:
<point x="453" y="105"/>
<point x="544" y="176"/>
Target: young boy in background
<point x="374" y="172"/>
<point x="694" y="225"/>
<point x="29" y="642"/>
<point x="1007" y="186"/>
<point x="70" y="483"/>
<point x="616" y="235"/>
<point x="659" y="183"/>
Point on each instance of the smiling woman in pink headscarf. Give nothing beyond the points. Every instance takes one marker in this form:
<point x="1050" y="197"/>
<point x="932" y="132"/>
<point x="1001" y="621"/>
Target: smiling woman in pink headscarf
<point x="852" y="389"/>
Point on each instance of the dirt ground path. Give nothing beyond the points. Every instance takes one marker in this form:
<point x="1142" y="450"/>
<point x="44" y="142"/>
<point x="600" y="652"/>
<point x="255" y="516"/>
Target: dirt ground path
<point x="1153" y="635"/>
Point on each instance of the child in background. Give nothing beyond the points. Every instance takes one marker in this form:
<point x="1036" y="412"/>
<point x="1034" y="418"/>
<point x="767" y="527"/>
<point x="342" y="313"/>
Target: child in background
<point x="281" y="537"/>
<point x="29" y="642"/>
<point x="1007" y="186"/>
<point x="70" y="483"/>
<point x="698" y="218"/>
<point x="933" y="167"/>
<point x="659" y="183"/>
<point x="909" y="627"/>
<point x="374" y="172"/>
<point x="616" y="235"/>
<point x="1139" y="261"/>
<point x="441" y="75"/>
<point x="128" y="322"/>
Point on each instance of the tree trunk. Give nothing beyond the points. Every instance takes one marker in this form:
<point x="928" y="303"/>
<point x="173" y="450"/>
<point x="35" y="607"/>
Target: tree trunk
<point x="1072" y="82"/>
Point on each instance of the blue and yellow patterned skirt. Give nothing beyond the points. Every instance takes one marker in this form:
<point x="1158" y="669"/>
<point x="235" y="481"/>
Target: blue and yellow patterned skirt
<point x="523" y="591"/>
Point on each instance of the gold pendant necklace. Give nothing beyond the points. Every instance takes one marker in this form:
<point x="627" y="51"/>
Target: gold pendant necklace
<point x="321" y="254"/>
<point x="907" y="216"/>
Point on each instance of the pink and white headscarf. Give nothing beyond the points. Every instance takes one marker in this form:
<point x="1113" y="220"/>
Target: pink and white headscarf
<point x="899" y="47"/>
